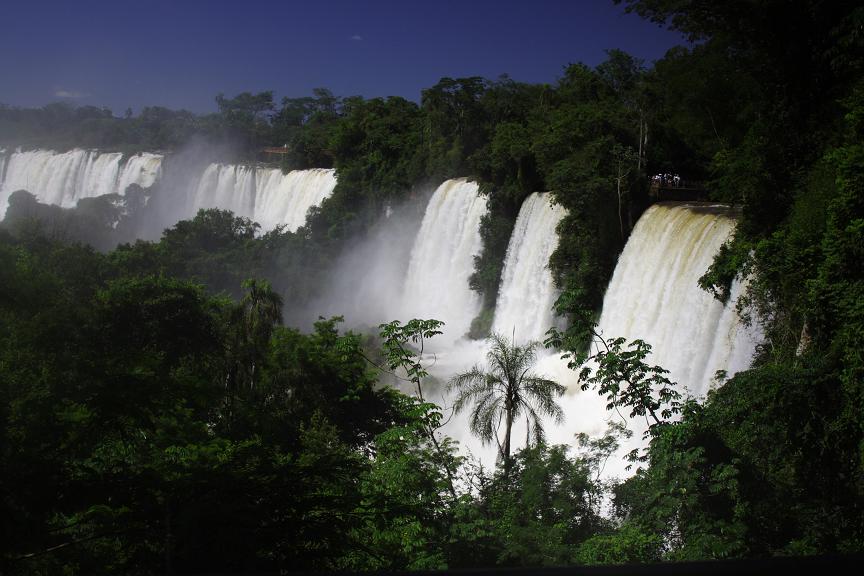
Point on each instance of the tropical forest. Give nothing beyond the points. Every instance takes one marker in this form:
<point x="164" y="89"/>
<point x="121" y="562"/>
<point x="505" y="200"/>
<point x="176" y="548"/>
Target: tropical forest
<point x="612" y="319"/>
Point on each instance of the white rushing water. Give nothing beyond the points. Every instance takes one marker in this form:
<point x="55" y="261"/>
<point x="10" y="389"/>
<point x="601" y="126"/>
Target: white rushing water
<point x="63" y="178"/>
<point x="527" y="292"/>
<point x="265" y="195"/>
<point x="654" y="296"/>
<point x="523" y="310"/>
<point x="225" y="186"/>
<point x="442" y="260"/>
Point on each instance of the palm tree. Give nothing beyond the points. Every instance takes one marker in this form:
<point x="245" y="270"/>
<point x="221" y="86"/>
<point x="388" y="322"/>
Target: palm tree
<point x="507" y="391"/>
<point x="261" y="308"/>
<point x="261" y="311"/>
<point x="252" y="323"/>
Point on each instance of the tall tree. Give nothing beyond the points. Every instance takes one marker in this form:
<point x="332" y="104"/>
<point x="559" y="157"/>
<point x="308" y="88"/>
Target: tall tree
<point x="507" y="390"/>
<point x="399" y="343"/>
<point x="253" y="321"/>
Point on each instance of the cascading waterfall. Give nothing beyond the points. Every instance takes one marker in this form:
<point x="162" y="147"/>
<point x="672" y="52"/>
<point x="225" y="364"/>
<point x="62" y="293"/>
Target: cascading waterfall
<point x="225" y="186"/>
<point x="442" y="260"/>
<point x="265" y="195"/>
<point x="523" y="310"/>
<point x="654" y="295"/>
<point x="142" y="169"/>
<point x="527" y="292"/>
<point x="285" y="198"/>
<point x="63" y="178"/>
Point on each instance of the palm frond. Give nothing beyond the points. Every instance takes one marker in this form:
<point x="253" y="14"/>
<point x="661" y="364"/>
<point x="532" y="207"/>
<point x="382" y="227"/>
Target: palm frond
<point x="485" y="417"/>
<point x="470" y="385"/>
<point x="541" y="394"/>
<point x="539" y="432"/>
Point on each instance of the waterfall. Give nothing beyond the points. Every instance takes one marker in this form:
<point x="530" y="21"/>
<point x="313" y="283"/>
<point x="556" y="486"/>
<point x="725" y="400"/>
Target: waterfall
<point x="63" y="178"/>
<point x="527" y="292"/>
<point x="442" y="260"/>
<point x="524" y="309"/>
<point x="654" y="295"/>
<point x="225" y="186"/>
<point x="142" y="169"/>
<point x="286" y="198"/>
<point x="265" y="195"/>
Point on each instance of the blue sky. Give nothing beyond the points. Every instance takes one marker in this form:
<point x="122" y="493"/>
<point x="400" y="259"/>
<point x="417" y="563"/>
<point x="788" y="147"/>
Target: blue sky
<point x="180" y="54"/>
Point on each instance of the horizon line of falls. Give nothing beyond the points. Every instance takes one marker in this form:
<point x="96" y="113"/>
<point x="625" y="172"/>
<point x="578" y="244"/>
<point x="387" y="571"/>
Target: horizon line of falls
<point x="265" y="195"/>
<point x="63" y="178"/>
<point x="653" y="294"/>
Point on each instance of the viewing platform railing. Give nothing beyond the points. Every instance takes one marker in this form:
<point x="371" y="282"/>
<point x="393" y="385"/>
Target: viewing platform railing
<point x="677" y="190"/>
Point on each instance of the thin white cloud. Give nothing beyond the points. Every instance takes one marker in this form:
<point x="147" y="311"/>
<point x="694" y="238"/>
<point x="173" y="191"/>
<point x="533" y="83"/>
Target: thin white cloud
<point x="356" y="37"/>
<point x="69" y="94"/>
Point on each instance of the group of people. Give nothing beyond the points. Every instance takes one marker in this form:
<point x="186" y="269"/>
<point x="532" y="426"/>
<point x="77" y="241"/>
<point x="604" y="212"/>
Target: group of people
<point x="666" y="180"/>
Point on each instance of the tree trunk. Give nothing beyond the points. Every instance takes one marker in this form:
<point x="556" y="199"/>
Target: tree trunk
<point x="620" y="220"/>
<point x="508" y="428"/>
<point x="169" y="540"/>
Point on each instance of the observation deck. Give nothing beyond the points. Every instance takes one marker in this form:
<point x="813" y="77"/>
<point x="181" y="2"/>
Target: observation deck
<point x="668" y="189"/>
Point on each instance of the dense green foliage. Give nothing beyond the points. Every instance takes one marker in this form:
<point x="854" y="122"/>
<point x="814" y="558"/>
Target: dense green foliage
<point x="153" y="390"/>
<point x="771" y="463"/>
<point x="137" y="410"/>
<point x="148" y="427"/>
